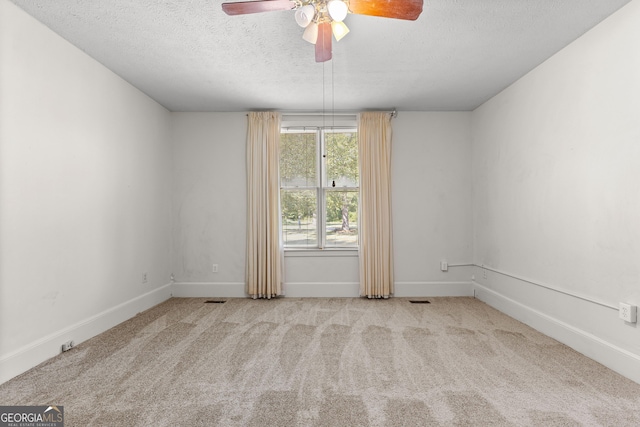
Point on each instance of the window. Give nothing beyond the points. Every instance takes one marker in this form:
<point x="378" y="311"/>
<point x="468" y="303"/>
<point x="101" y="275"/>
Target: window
<point x="319" y="187"/>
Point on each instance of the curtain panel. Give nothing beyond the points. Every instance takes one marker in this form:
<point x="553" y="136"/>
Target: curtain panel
<point x="265" y="255"/>
<point x="376" y="237"/>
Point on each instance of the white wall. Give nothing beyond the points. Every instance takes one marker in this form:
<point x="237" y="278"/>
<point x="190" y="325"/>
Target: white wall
<point x="432" y="211"/>
<point x="544" y="177"/>
<point x="85" y="175"/>
<point x="556" y="188"/>
<point x="209" y="198"/>
<point x="431" y="207"/>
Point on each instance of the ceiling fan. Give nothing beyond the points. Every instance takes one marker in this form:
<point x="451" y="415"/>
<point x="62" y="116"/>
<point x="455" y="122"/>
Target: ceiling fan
<point x="321" y="18"/>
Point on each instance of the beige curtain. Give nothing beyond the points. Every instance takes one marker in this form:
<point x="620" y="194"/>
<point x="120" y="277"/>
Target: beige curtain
<point x="376" y="240"/>
<point x="264" y="248"/>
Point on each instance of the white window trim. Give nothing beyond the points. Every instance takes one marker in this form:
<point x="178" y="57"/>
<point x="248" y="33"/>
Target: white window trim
<point x="319" y="126"/>
<point x="293" y="252"/>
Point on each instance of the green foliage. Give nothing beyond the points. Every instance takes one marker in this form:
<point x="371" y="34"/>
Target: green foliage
<point x="298" y="159"/>
<point x="337" y="200"/>
<point x="342" y="158"/>
<point x="298" y="204"/>
<point x="298" y="169"/>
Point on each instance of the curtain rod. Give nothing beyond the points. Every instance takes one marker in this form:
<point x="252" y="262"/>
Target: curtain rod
<point x="394" y="112"/>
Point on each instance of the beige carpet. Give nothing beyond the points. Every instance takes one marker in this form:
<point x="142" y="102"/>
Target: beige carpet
<point x="326" y="362"/>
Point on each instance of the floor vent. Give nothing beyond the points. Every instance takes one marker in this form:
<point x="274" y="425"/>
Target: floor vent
<point x="214" y="302"/>
<point x="419" y="302"/>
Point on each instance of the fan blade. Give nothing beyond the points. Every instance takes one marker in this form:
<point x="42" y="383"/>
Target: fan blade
<point x="244" y="7"/>
<point x="399" y="9"/>
<point x="323" y="43"/>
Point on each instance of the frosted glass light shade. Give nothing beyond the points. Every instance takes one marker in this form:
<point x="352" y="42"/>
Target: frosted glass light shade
<point x="337" y="10"/>
<point x="339" y="30"/>
<point x="311" y="33"/>
<point x="305" y="15"/>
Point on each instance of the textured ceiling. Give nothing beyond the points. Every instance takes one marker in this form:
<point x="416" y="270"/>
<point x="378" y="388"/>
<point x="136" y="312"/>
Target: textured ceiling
<point x="190" y="56"/>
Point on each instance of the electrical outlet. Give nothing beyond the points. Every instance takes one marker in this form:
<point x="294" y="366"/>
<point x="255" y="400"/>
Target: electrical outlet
<point x="68" y="346"/>
<point x="214" y="268"/>
<point x="628" y="312"/>
<point x="444" y="265"/>
<point x="144" y="277"/>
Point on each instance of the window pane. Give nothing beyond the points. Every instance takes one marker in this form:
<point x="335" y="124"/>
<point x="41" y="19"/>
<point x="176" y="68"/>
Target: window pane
<point x="299" y="215"/>
<point x="342" y="158"/>
<point x="298" y="161"/>
<point x="342" y="218"/>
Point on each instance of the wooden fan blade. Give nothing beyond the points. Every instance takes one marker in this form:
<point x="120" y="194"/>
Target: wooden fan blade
<point x="323" y="43"/>
<point x="244" y="7"/>
<point x="399" y="9"/>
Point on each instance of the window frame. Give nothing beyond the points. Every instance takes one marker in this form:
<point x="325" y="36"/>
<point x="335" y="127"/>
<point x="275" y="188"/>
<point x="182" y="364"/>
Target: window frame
<point x="322" y="188"/>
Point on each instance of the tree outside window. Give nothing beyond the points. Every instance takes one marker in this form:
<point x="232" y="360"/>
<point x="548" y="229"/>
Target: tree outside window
<point x="319" y="188"/>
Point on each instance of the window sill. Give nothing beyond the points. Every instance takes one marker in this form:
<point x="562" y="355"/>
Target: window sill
<point x="333" y="252"/>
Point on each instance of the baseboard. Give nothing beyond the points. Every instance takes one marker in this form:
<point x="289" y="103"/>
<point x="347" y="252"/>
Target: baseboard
<point x="611" y="356"/>
<point x="237" y="290"/>
<point x="25" y="358"/>
<point x="402" y="289"/>
<point x="208" y="289"/>
<point x="433" y="289"/>
<point x="322" y="289"/>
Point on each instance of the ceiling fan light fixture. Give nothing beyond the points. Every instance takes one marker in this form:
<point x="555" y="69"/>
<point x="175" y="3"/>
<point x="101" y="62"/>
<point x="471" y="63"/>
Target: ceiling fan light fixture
<point x="322" y="18"/>
<point x="339" y="29"/>
<point x="337" y="10"/>
<point x="305" y="15"/>
<point x="311" y="33"/>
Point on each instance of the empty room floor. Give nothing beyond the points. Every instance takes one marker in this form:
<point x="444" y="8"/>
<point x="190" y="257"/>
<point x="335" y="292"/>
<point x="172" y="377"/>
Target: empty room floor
<point x="326" y="362"/>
